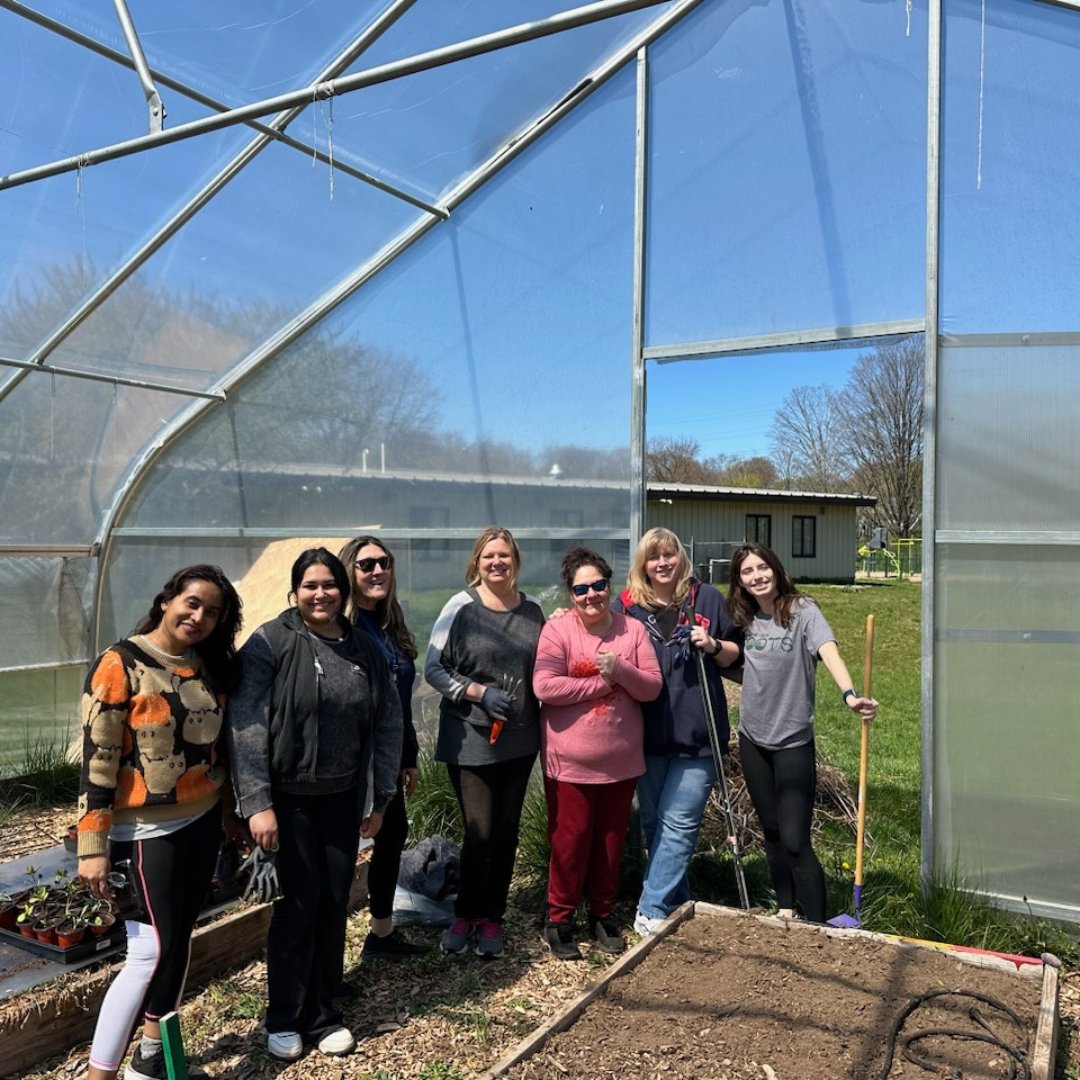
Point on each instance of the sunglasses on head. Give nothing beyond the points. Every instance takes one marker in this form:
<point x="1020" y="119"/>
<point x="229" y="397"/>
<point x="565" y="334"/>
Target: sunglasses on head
<point x="365" y="566"/>
<point x="595" y="586"/>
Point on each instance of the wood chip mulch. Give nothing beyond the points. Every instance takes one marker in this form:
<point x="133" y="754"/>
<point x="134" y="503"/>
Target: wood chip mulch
<point x="436" y="1018"/>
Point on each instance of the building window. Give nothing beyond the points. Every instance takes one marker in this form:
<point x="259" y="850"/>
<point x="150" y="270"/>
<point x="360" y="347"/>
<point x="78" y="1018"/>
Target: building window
<point x="759" y="529"/>
<point x="803" y="537"/>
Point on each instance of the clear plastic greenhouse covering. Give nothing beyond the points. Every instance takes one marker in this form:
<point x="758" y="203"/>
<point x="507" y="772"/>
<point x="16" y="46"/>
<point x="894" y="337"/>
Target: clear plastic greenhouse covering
<point x="408" y="267"/>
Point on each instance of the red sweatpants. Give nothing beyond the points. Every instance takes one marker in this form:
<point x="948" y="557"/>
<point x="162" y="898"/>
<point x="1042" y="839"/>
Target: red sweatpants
<point x="587" y="828"/>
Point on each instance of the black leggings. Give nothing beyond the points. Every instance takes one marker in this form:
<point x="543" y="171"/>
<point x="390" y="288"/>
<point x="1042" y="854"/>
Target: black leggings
<point x="491" y="798"/>
<point x="171" y="874"/>
<point x="386" y="857"/>
<point x="781" y="784"/>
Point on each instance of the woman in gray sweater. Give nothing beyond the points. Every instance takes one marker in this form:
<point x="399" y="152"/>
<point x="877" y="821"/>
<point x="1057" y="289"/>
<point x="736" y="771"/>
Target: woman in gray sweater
<point x="480" y="658"/>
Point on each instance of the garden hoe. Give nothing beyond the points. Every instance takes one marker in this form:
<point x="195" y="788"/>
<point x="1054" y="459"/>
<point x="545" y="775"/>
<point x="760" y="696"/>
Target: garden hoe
<point x="855" y="921"/>
<point x="725" y="791"/>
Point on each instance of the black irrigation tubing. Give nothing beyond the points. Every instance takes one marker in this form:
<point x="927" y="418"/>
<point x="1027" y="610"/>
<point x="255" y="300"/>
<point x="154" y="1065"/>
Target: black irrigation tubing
<point x="1017" y="1055"/>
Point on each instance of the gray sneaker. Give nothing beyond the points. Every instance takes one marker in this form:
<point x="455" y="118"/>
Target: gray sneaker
<point x="489" y="940"/>
<point x="456" y="936"/>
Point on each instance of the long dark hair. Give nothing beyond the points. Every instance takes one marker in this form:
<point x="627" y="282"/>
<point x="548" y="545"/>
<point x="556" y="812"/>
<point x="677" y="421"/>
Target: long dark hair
<point x="217" y="650"/>
<point x="742" y="607"/>
<point x="388" y="613"/>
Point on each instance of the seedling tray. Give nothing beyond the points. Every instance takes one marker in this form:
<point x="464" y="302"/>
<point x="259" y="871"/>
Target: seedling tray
<point x="88" y="947"/>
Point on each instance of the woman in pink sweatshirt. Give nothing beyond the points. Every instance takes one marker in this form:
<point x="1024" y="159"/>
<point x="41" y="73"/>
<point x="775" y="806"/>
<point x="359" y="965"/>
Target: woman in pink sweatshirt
<point x="593" y="667"/>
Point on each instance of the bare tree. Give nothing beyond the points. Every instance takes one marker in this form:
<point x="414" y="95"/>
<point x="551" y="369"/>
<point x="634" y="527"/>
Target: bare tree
<point x="881" y="431"/>
<point x="674" y="460"/>
<point x="806" y="443"/>
<point x="753" y="472"/>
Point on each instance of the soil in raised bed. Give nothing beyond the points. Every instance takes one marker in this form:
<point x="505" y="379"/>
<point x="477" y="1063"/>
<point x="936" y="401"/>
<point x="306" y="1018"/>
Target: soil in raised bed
<point x="731" y="999"/>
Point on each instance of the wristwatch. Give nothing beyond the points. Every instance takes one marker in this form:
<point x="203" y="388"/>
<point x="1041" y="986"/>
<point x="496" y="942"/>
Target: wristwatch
<point x="848" y="693"/>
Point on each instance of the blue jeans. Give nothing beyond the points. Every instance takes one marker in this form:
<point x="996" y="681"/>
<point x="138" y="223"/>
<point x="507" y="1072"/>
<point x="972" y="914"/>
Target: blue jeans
<point x="672" y="796"/>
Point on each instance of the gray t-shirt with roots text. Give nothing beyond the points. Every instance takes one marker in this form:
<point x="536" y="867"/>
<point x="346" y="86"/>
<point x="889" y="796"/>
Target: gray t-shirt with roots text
<point x="777" y="707"/>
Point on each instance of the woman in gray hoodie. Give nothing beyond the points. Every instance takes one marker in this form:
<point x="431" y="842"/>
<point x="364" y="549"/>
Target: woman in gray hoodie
<point x="314" y="711"/>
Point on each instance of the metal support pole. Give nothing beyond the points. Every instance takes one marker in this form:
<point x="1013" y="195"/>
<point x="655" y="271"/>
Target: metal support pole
<point x="933" y="225"/>
<point x="142" y="69"/>
<point x="112" y="380"/>
<point x="639" y="480"/>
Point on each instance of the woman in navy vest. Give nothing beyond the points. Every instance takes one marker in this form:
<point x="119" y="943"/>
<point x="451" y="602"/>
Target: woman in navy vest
<point x="374" y="609"/>
<point x="680" y="614"/>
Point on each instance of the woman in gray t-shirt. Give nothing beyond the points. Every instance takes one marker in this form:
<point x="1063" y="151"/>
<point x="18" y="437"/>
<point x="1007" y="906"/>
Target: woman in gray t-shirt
<point x="786" y="636"/>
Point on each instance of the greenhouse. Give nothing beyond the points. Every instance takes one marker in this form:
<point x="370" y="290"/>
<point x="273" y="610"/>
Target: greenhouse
<point x="256" y="253"/>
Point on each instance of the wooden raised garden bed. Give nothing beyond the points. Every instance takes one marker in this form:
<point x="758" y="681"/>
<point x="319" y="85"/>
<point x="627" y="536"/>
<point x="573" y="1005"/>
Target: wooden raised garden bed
<point x="724" y="995"/>
<point x="51" y="1019"/>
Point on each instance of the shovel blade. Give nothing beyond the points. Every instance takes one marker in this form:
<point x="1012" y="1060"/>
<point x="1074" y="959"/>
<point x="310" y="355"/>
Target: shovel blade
<point x="846" y="922"/>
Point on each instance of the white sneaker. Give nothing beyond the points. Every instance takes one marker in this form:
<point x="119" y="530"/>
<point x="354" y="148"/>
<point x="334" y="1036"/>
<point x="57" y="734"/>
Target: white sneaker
<point x="285" y="1045"/>
<point x="644" y="925"/>
<point x="337" y="1042"/>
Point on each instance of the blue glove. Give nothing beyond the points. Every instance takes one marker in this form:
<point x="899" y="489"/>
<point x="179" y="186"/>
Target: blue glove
<point x="496" y="703"/>
<point x="680" y="643"/>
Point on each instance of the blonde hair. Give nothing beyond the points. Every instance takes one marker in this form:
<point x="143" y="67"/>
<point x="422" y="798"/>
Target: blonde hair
<point x="637" y="581"/>
<point x="492" y="532"/>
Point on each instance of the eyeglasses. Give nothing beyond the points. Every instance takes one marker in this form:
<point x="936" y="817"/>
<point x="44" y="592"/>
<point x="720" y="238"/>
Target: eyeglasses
<point x="595" y="586"/>
<point x="365" y="566"/>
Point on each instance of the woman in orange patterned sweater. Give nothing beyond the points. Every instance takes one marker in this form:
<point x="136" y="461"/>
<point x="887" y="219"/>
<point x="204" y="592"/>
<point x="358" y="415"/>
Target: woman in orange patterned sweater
<point x="151" y="792"/>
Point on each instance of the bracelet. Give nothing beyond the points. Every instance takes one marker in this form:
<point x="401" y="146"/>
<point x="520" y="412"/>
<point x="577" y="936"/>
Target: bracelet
<point x="848" y="693"/>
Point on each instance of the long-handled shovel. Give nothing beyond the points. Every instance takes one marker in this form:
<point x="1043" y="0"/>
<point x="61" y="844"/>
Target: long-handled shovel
<point x="725" y="791"/>
<point x="854" y="921"/>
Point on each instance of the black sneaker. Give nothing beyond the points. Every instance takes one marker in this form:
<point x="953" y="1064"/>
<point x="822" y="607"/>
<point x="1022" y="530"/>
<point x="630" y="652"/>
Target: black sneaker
<point x="153" y="1068"/>
<point x="607" y="936"/>
<point x="560" y="940"/>
<point x="394" y="946"/>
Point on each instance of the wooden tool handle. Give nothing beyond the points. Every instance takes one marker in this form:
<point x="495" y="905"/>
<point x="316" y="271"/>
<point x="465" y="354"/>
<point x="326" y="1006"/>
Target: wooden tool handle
<point x="864" y="749"/>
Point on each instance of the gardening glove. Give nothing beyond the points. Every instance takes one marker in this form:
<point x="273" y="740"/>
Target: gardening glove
<point x="263" y="885"/>
<point x="509" y="688"/>
<point x="680" y="642"/>
<point x="496" y="702"/>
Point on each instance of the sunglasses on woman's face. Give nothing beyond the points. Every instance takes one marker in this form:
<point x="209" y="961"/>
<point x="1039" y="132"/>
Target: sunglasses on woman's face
<point x="595" y="586"/>
<point x="365" y="566"/>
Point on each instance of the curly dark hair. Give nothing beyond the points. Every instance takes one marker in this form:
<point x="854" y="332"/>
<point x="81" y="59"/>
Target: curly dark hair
<point x="217" y="650"/>
<point x="576" y="558"/>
